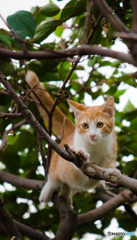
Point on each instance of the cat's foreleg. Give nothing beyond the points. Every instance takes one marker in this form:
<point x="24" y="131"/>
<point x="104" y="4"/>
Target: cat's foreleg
<point x="48" y="190"/>
<point x="83" y="153"/>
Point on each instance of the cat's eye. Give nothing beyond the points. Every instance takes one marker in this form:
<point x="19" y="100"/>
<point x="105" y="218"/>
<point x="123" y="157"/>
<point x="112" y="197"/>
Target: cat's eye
<point x="100" y="124"/>
<point x="85" y="125"/>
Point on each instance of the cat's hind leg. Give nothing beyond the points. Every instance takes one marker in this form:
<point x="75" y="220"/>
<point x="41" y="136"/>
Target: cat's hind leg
<point x="48" y="190"/>
<point x="65" y="192"/>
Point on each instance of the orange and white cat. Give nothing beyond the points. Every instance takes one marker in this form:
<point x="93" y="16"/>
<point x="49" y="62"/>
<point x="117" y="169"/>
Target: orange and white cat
<point x="94" y="137"/>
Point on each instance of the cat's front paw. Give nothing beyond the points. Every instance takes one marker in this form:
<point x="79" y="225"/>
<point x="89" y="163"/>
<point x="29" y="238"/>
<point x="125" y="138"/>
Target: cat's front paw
<point x="83" y="153"/>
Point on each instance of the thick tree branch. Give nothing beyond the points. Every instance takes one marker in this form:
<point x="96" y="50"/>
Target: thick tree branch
<point x="8" y="223"/>
<point x="32" y="233"/>
<point x="81" y="51"/>
<point x="68" y="219"/>
<point x="109" y="14"/>
<point x="110" y="175"/>
<point x="97" y="213"/>
<point x="20" y="182"/>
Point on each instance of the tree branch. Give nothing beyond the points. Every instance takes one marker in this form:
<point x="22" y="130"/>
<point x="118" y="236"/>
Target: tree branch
<point x="130" y="211"/>
<point x="110" y="175"/>
<point x="55" y="104"/>
<point x="81" y="51"/>
<point x="90" y="217"/>
<point x="68" y="219"/>
<point x="32" y="120"/>
<point x="87" y="21"/>
<point x="109" y="14"/>
<point x="133" y="44"/>
<point x="8" y="115"/>
<point x="4" y="137"/>
<point x="21" y="182"/>
<point x="134" y="7"/>
<point x="90" y="169"/>
<point x="8" y="223"/>
<point x="33" y="234"/>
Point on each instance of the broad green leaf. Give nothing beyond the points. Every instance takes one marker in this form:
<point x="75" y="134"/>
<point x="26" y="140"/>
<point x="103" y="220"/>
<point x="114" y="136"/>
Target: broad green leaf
<point x="11" y="139"/>
<point x="45" y="29"/>
<point x="118" y="93"/>
<point x="23" y="23"/>
<point x="50" y="10"/>
<point x="59" y="30"/>
<point x="4" y="39"/>
<point x="73" y="8"/>
<point x="92" y="61"/>
<point x="7" y="67"/>
<point x="129" y="107"/>
<point x="134" y="123"/>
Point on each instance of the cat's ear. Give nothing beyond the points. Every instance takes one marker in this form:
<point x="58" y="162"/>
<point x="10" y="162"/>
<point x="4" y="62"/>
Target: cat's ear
<point x="109" y="107"/>
<point x="76" y="107"/>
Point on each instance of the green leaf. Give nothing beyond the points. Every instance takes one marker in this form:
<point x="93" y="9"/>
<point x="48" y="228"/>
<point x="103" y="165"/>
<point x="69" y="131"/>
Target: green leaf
<point x="7" y="67"/>
<point x="45" y="29"/>
<point x="92" y="61"/>
<point x="23" y="23"/>
<point x="73" y="8"/>
<point x="118" y="93"/>
<point x="11" y="139"/>
<point x="59" y="30"/>
<point x="4" y="39"/>
<point x="50" y="10"/>
<point x="134" y="124"/>
<point x="129" y="107"/>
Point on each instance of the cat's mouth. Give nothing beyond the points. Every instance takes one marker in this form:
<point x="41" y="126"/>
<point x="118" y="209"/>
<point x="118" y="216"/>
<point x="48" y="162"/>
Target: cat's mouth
<point x="93" y="141"/>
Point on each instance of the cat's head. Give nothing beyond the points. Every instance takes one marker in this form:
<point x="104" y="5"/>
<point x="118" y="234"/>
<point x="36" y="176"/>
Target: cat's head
<point x="94" y="122"/>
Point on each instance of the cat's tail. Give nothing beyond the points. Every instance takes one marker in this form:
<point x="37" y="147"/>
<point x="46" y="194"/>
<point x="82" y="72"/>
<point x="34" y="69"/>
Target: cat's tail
<point x="45" y="98"/>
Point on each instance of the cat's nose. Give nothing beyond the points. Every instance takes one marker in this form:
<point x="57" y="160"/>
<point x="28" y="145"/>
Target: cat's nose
<point x="92" y="136"/>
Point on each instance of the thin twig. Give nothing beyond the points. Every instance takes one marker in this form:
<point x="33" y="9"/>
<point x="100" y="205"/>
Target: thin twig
<point x="32" y="90"/>
<point x="130" y="211"/>
<point x="44" y="160"/>
<point x="63" y="128"/>
<point x="94" y="29"/>
<point x="134" y="7"/>
<point x="4" y="137"/>
<point x="9" y="115"/>
<point x="87" y="21"/>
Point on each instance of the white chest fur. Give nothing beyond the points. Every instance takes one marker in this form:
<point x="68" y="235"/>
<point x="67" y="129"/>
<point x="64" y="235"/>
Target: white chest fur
<point x="100" y="152"/>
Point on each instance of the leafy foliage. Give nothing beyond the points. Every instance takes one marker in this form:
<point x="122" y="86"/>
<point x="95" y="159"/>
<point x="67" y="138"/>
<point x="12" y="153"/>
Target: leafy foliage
<point x="93" y="77"/>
